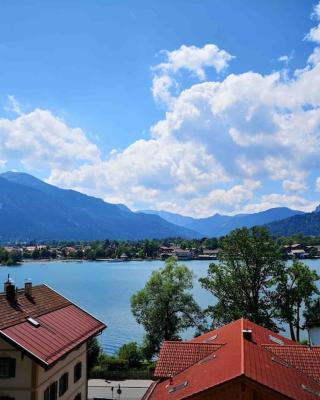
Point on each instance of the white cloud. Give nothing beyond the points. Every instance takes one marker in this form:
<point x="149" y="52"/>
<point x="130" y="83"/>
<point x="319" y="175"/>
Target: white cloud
<point x="293" y="186"/>
<point x="318" y="184"/>
<point x="286" y="58"/>
<point x="219" y="147"/>
<point x="41" y="140"/>
<point x="314" y="34"/>
<point x="193" y="59"/>
<point x="281" y="200"/>
<point x="13" y="105"/>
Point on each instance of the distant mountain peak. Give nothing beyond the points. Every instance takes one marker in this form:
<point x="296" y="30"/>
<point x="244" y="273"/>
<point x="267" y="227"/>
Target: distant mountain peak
<point x="317" y="210"/>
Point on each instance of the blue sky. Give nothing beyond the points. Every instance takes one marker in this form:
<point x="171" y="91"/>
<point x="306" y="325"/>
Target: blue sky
<point x="117" y="99"/>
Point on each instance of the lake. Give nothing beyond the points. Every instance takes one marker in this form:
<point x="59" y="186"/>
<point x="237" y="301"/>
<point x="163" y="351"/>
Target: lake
<point x="104" y="289"/>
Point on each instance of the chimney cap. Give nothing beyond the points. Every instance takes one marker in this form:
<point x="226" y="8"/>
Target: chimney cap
<point x="247" y="334"/>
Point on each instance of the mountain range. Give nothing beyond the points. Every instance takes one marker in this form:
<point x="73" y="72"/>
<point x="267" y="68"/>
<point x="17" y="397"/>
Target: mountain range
<point x="220" y="225"/>
<point x="34" y="210"/>
<point x="31" y="209"/>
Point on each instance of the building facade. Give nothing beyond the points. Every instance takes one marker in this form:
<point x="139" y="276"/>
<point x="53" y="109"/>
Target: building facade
<point x="43" y="345"/>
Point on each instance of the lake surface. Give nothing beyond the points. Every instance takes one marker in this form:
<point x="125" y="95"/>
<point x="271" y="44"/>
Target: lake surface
<point x="104" y="289"/>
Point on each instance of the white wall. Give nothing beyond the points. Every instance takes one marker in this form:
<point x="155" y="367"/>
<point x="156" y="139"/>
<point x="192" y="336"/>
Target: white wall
<point x="18" y="387"/>
<point x="45" y="378"/>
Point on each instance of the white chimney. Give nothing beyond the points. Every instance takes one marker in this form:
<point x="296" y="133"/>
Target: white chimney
<point x="314" y="335"/>
<point x="28" y="288"/>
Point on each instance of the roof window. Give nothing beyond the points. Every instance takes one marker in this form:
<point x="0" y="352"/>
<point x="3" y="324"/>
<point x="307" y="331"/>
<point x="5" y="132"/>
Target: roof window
<point x="207" y="359"/>
<point x="310" y="390"/>
<point x="276" y="340"/>
<point x="283" y="363"/>
<point x="182" y="385"/>
<point x="210" y="339"/>
<point x="33" y="322"/>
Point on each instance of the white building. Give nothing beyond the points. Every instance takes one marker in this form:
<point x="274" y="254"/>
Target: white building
<point x="43" y="345"/>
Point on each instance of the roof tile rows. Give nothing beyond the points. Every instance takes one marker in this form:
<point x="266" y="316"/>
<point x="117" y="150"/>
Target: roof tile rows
<point x="269" y="359"/>
<point x="43" y="300"/>
<point x="189" y="354"/>
<point x="62" y="326"/>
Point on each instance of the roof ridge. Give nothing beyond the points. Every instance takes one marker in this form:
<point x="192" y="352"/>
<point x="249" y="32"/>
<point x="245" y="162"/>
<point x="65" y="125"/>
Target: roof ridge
<point x="76" y="305"/>
<point x="242" y="347"/>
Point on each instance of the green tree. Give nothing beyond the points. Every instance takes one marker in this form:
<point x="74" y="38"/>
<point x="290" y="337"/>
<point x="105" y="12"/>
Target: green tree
<point x="93" y="353"/>
<point x="242" y="280"/>
<point x="132" y="354"/>
<point x="295" y="287"/>
<point x="165" y="306"/>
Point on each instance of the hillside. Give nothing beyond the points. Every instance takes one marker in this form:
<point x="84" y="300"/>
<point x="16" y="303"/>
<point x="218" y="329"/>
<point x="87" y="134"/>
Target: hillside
<point x="307" y="224"/>
<point x="33" y="210"/>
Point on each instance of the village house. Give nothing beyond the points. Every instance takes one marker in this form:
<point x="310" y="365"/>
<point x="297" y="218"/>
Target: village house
<point x="43" y="344"/>
<point x="181" y="254"/>
<point x="240" y="361"/>
<point x="208" y="254"/>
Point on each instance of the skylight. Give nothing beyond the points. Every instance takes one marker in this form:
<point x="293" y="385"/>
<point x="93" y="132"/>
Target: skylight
<point x="33" y="322"/>
<point x="207" y="359"/>
<point x="310" y="390"/>
<point x="210" y="339"/>
<point x="276" y="340"/>
<point x="285" y="364"/>
<point x="182" y="385"/>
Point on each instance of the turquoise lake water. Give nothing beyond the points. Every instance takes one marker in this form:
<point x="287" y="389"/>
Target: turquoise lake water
<point x="104" y="289"/>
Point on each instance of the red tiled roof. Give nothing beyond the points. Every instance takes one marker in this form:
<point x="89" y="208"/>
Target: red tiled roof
<point x="43" y="300"/>
<point x="62" y="325"/>
<point x="189" y="354"/>
<point x="304" y="358"/>
<point x="239" y="357"/>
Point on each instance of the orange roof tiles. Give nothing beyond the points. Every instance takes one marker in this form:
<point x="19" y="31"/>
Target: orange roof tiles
<point x="62" y="325"/>
<point x="304" y="358"/>
<point x="278" y="370"/>
<point x="189" y="354"/>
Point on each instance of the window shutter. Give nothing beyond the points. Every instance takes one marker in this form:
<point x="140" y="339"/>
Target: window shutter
<point x="54" y="390"/>
<point x="12" y="368"/>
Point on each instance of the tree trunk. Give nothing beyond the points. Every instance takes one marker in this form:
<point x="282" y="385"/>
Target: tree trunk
<point x="298" y="323"/>
<point x="293" y="336"/>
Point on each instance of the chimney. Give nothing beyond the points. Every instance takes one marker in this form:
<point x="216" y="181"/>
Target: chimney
<point x="6" y="283"/>
<point x="10" y="290"/>
<point x="28" y="288"/>
<point x="247" y="334"/>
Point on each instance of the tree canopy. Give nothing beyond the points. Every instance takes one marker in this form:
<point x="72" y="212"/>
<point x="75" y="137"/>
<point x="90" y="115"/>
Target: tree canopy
<point x="242" y="280"/>
<point x="165" y="306"/>
<point x="295" y="287"/>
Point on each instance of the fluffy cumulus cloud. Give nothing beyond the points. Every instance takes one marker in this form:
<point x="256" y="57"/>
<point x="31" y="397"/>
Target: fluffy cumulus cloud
<point x="238" y="143"/>
<point x="41" y="140"/>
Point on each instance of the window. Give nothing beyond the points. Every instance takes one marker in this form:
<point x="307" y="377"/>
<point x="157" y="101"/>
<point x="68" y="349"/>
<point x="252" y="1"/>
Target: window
<point x="51" y="392"/>
<point x="7" y="367"/>
<point x="78" y="397"/>
<point x="77" y="372"/>
<point x="63" y="384"/>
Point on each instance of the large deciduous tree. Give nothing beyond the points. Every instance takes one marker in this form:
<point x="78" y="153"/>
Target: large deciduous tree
<point x="165" y="306"/>
<point x="242" y="280"/>
<point x="295" y="288"/>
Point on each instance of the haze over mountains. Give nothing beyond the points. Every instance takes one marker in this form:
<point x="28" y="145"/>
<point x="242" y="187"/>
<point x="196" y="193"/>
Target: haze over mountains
<point x="31" y="209"/>
<point x="220" y="225"/>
